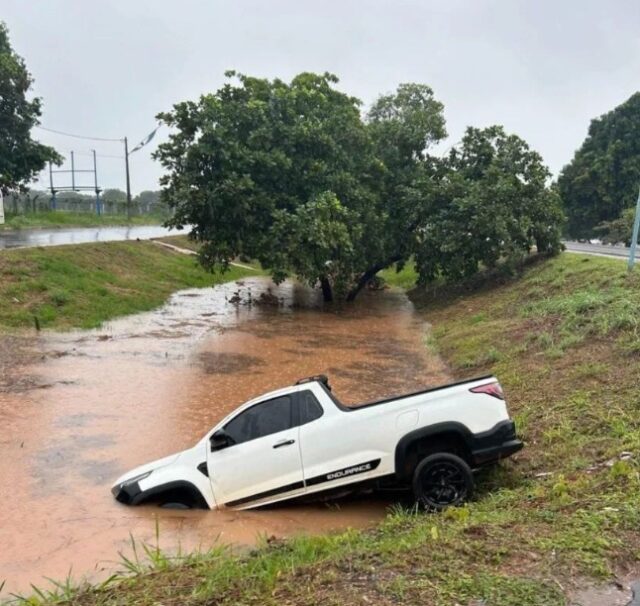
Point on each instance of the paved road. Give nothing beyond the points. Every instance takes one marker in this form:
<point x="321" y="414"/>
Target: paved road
<point x="598" y="249"/>
<point x="26" y="238"/>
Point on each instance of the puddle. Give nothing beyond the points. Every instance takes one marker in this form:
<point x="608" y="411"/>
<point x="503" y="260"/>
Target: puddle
<point x="79" y="235"/>
<point x="145" y="386"/>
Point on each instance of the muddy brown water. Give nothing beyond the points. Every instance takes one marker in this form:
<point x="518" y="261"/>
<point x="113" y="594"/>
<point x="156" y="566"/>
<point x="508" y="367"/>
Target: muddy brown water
<point x="86" y="406"/>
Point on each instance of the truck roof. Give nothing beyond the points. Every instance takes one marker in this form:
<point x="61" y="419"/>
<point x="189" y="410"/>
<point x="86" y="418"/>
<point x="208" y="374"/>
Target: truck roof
<point x="315" y="378"/>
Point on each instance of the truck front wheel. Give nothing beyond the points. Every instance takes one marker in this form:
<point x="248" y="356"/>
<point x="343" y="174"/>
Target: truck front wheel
<point x="442" y="480"/>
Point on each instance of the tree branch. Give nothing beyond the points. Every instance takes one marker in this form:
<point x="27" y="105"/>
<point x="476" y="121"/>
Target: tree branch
<point x="369" y="274"/>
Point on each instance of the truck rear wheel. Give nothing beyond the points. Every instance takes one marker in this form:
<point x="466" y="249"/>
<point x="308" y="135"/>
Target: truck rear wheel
<point x="442" y="480"/>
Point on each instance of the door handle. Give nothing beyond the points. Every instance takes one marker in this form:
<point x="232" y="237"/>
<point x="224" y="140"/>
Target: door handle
<point x="284" y="443"/>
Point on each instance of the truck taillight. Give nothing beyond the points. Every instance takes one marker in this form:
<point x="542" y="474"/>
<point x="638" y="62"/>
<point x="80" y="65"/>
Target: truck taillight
<point x="491" y="389"/>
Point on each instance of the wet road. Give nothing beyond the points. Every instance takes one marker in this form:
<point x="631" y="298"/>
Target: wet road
<point x="618" y="251"/>
<point x="80" y="408"/>
<point x="25" y="238"/>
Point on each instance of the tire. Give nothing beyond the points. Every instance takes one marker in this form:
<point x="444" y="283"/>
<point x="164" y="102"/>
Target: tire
<point x="442" y="480"/>
<point x="175" y="505"/>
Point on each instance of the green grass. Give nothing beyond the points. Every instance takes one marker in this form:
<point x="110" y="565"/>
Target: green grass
<point x="182" y="241"/>
<point x="405" y="278"/>
<point x="84" y="285"/>
<point x="71" y="219"/>
<point x="562" y="339"/>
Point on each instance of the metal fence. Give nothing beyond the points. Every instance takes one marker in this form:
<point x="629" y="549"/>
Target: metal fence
<point x="22" y="204"/>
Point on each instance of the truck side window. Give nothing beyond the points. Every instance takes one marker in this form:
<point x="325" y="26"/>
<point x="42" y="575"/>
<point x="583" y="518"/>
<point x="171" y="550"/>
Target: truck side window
<point x="310" y="408"/>
<point x="261" y="420"/>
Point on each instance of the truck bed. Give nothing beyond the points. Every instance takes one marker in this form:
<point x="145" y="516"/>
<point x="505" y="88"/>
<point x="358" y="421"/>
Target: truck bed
<point x="364" y="405"/>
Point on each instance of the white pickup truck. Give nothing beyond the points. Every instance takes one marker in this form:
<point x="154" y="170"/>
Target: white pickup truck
<point x="301" y="440"/>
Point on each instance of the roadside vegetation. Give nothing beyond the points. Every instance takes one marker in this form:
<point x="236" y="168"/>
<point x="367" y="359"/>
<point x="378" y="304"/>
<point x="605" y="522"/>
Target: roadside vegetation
<point x="21" y="157"/>
<point x="599" y="187"/>
<point x="74" y="219"/>
<point x="564" y="340"/>
<point x="81" y="286"/>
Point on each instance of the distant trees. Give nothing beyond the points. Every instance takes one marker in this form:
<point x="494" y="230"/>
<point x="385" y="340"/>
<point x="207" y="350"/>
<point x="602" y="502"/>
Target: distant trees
<point x="114" y="201"/>
<point x="619" y="229"/>
<point x="603" y="178"/>
<point x="293" y="175"/>
<point x="21" y="158"/>
<point x="147" y="198"/>
<point x="114" y="196"/>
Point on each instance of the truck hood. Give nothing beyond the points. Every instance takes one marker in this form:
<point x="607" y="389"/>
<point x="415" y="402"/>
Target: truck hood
<point x="148" y="467"/>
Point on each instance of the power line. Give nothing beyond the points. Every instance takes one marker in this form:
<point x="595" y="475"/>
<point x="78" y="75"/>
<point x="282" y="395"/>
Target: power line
<point x="83" y="153"/>
<point x="59" y="132"/>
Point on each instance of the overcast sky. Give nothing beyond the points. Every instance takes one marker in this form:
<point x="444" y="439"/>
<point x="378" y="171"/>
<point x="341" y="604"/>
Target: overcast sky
<point x="541" y="68"/>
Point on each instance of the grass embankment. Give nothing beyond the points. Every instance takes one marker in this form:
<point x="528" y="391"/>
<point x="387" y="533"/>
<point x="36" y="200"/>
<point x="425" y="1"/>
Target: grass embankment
<point x="70" y="219"/>
<point x="564" y="341"/>
<point x="84" y="285"/>
<point x="181" y="241"/>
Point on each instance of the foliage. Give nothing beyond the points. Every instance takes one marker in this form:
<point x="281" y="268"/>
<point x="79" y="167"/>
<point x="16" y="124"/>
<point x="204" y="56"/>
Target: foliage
<point x="114" y="196"/>
<point x="403" y="126"/>
<point x="490" y="206"/>
<point x="21" y="158"/>
<point x="619" y="229"/>
<point x="245" y="157"/>
<point x="603" y="177"/>
<point x="317" y="239"/>
<point x="292" y="175"/>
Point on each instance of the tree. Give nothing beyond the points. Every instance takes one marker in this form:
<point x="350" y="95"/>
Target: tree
<point x="292" y="174"/>
<point x="114" y="196"/>
<point x="403" y="127"/>
<point x="147" y="198"/>
<point x="21" y="158"/>
<point x="150" y="201"/>
<point x="619" y="229"/>
<point x="287" y="173"/>
<point x="490" y="204"/>
<point x="604" y="175"/>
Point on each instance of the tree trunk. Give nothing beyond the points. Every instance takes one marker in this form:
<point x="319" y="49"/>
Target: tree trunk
<point x="368" y="275"/>
<point x="327" y="292"/>
<point x="362" y="282"/>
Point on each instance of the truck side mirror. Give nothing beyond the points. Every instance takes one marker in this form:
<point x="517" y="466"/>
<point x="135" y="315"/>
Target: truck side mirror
<point x="220" y="439"/>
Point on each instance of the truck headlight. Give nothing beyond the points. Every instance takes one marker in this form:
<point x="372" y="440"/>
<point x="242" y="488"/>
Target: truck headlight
<point x="135" y="479"/>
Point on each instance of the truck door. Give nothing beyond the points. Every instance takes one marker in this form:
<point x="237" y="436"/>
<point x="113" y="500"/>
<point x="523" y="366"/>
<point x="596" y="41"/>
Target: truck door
<point x="338" y="448"/>
<point x="262" y="460"/>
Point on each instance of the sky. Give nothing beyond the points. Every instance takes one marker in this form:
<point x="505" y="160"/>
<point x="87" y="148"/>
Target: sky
<point x="541" y="68"/>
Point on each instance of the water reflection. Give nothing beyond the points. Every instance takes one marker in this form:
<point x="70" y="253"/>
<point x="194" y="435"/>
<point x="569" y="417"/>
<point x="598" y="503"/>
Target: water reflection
<point x="80" y="235"/>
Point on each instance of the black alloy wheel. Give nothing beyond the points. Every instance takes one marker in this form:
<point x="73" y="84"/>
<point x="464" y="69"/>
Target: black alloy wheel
<point x="442" y="480"/>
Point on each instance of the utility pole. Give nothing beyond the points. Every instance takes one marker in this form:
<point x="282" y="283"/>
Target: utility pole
<point x="126" y="160"/>
<point x="53" y="191"/>
<point x="1" y="208"/>
<point x="634" y="237"/>
<point x="73" y="174"/>
<point x="95" y="181"/>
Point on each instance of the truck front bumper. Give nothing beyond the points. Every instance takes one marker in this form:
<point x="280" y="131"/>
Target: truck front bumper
<point x="127" y="494"/>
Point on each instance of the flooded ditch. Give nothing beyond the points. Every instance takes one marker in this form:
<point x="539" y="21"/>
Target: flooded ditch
<point x="77" y="409"/>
